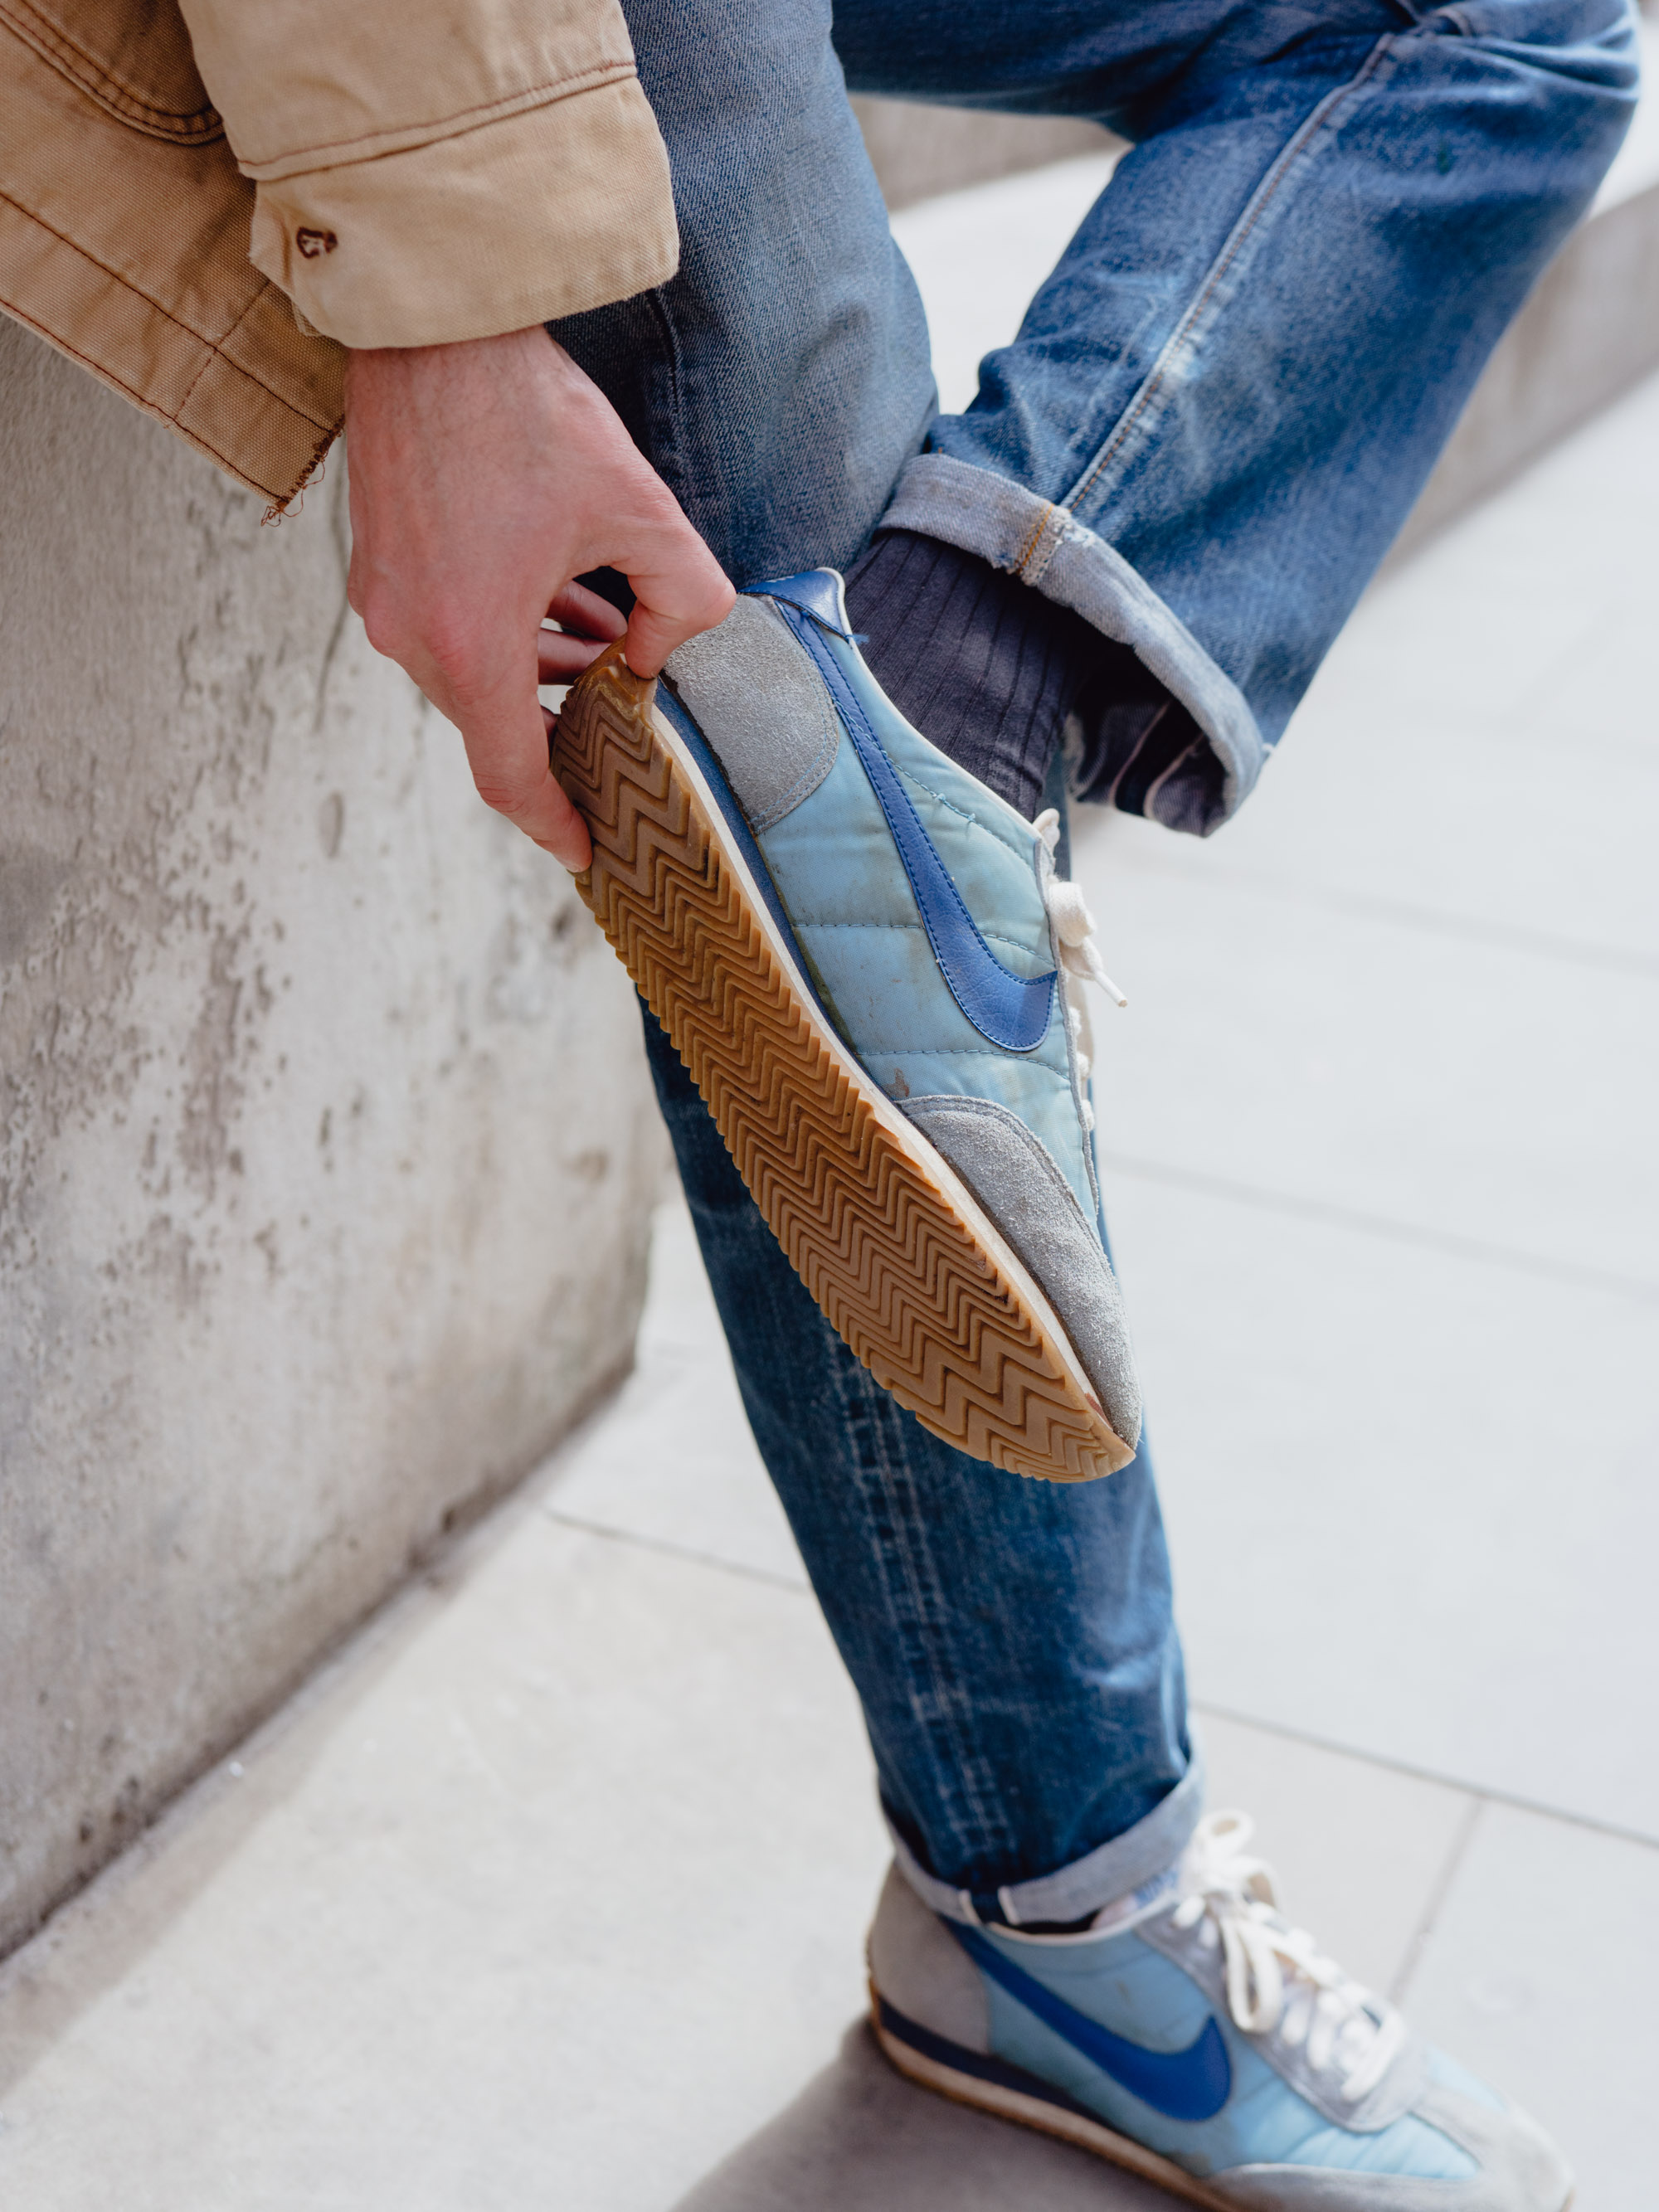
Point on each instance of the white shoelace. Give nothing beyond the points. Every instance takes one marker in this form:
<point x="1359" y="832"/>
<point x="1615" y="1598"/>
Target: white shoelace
<point x="1277" y="1978"/>
<point x="1075" y="925"/>
<point x="1079" y="955"/>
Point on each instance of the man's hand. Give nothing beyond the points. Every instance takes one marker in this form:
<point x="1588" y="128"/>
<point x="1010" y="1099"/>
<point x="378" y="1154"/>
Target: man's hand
<point x="485" y="478"/>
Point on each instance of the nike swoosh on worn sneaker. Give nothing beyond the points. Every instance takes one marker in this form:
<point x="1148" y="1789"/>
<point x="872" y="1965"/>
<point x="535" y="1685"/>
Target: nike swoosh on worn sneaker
<point x="1011" y="1010"/>
<point x="1193" y="2084"/>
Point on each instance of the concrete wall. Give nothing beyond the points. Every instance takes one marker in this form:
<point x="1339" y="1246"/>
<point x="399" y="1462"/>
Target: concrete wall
<point x="327" y="1145"/>
<point x="917" y="150"/>
<point x="1587" y="333"/>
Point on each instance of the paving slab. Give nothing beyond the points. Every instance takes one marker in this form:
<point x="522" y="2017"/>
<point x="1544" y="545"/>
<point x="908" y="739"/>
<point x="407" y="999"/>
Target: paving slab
<point x="1467" y="1088"/>
<point x="673" y="1461"/>
<point x="554" y="1890"/>
<point x="1360" y="1852"/>
<point x="1540" y="1972"/>
<point x="581" y="1812"/>
<point x="860" y="2139"/>
<point x="1409" y="1496"/>
<point x="1323" y="1398"/>
<point x="1479" y="752"/>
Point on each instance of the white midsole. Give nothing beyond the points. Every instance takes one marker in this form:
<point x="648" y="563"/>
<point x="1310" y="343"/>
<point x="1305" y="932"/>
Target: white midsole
<point x="1037" y="2113"/>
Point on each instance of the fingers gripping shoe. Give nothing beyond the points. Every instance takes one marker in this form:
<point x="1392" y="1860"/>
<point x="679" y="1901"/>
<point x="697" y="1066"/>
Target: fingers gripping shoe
<point x="867" y="962"/>
<point x="1191" y="2036"/>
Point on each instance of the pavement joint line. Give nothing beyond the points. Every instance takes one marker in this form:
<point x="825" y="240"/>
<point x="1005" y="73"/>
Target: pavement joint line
<point x="1509" y="1799"/>
<point x="1430" y="1921"/>
<point x="1331" y="1215"/>
<point x="1482" y="1793"/>
<point x="797" y="1585"/>
<point x="1505" y="937"/>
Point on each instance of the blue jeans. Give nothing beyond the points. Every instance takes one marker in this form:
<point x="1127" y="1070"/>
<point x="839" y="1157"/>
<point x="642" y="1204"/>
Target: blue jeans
<point x="1217" y="413"/>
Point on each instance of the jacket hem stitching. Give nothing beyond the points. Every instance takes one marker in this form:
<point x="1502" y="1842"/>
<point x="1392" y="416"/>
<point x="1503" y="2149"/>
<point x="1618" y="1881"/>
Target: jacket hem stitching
<point x="346" y="153"/>
<point x="201" y="126"/>
<point x="211" y="353"/>
<point x="213" y="345"/>
<point x="148" y="406"/>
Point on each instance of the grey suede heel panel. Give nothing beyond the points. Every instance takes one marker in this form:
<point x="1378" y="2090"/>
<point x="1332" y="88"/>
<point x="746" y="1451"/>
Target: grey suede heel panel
<point x="1030" y="1200"/>
<point x="922" y="1972"/>
<point x="759" y="702"/>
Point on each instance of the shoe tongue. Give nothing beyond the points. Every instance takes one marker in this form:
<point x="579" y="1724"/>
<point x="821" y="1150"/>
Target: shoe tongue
<point x="1159" y="1891"/>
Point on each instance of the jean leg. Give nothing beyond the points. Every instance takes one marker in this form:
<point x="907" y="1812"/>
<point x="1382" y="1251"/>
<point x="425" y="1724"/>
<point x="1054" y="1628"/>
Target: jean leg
<point x="1222" y="404"/>
<point x="781" y="380"/>
<point x="1011" y="1641"/>
<point x="1012" y="1645"/>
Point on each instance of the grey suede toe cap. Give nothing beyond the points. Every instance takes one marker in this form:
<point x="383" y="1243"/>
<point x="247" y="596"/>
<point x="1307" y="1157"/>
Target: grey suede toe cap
<point x="1520" y="2170"/>
<point x="1030" y="1201"/>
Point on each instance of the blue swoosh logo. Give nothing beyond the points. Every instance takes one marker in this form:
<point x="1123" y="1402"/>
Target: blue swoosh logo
<point x="1011" y="1010"/>
<point x="1193" y="2084"/>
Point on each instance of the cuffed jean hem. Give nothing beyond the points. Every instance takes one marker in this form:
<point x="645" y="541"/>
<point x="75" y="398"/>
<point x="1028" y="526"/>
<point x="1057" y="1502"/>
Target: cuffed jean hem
<point x="1113" y="1870"/>
<point x="1045" y="546"/>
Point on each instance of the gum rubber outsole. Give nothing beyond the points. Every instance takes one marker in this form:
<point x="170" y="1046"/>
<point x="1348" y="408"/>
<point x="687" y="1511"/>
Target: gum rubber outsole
<point x="899" y="1256"/>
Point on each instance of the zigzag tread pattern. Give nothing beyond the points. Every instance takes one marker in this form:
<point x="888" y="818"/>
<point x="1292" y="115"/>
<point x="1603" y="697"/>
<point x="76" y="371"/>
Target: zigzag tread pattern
<point x="891" y="1264"/>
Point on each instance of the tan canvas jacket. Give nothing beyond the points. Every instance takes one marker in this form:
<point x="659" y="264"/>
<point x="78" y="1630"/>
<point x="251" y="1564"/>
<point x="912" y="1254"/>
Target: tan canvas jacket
<point x="204" y="201"/>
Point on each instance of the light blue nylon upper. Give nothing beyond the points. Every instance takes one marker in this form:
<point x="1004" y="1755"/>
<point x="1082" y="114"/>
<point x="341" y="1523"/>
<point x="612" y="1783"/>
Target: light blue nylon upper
<point x="1008" y="1009"/>
<point x="856" y="919"/>
<point x="1135" y="1991"/>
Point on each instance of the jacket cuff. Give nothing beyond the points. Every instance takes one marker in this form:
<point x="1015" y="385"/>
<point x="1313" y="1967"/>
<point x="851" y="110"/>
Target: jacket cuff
<point x="537" y="214"/>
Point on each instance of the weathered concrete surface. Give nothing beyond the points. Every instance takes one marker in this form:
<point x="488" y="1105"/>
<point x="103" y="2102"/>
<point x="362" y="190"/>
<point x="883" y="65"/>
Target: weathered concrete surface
<point x="327" y="1144"/>
<point x="917" y="150"/>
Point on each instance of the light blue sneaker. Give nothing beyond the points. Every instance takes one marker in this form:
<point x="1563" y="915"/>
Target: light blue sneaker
<point x="869" y="968"/>
<point x="1191" y="2036"/>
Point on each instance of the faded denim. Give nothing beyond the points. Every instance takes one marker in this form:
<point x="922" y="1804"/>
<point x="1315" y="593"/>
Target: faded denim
<point x="1215" y="416"/>
<point x="1012" y="1642"/>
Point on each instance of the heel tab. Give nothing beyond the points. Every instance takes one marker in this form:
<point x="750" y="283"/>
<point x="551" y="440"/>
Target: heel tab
<point x="819" y="592"/>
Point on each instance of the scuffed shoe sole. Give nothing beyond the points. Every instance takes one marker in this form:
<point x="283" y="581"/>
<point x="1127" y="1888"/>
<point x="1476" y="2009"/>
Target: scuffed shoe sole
<point x="902" y="1261"/>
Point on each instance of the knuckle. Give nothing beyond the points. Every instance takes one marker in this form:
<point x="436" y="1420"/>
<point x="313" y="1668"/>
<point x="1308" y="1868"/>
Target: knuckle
<point x="449" y="643"/>
<point x="512" y="795"/>
<point x="380" y="616"/>
<point x="723" y="597"/>
<point x="380" y="626"/>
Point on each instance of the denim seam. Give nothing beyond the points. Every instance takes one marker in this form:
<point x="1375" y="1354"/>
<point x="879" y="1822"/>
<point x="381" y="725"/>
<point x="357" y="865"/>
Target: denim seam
<point x="966" y="1800"/>
<point x="1180" y="343"/>
<point x="1030" y="547"/>
<point x="669" y="464"/>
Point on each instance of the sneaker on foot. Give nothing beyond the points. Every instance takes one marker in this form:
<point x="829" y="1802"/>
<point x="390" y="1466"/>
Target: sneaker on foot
<point x="1191" y="2035"/>
<point x="869" y="966"/>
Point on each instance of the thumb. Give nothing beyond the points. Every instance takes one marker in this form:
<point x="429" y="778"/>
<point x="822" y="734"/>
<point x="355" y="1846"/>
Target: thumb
<point x="690" y="594"/>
